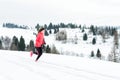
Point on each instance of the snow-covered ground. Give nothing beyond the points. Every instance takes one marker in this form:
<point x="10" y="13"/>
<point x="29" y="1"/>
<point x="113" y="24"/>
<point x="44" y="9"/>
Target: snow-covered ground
<point x="82" y="48"/>
<point x="10" y="32"/>
<point x="20" y="66"/>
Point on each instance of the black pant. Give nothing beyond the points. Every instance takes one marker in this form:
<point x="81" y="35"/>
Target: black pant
<point x="39" y="52"/>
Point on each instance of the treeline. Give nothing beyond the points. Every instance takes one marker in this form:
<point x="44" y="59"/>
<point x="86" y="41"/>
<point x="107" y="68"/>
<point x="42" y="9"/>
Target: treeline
<point x="70" y="25"/>
<point x="104" y="32"/>
<point x="15" y="44"/>
<point x="12" y="25"/>
<point x="96" y="30"/>
<point x="61" y="25"/>
<point x="55" y="27"/>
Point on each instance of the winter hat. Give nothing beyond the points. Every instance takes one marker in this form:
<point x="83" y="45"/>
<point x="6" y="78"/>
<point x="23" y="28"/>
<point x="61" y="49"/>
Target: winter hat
<point x="41" y="29"/>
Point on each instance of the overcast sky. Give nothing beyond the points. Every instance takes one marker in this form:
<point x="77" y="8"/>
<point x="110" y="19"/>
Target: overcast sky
<point x="31" y="12"/>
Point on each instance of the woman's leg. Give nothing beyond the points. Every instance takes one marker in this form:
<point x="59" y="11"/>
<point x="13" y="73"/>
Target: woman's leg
<point x="39" y="49"/>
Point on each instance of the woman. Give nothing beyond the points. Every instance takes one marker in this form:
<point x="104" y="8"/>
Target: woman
<point x="38" y="43"/>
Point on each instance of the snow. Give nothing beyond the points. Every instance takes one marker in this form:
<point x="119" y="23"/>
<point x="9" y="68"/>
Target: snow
<point x="79" y="66"/>
<point x="20" y="66"/>
<point x="82" y="48"/>
<point x="10" y="32"/>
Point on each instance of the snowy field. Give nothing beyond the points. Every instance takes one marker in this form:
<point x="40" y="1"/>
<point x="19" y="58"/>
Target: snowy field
<point x="10" y="32"/>
<point x="82" y="48"/>
<point x="20" y="66"/>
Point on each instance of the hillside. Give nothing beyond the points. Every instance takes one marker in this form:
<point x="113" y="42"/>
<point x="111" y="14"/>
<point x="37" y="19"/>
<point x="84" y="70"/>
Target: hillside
<point x="81" y="48"/>
<point x="20" y="66"/>
<point x="10" y="32"/>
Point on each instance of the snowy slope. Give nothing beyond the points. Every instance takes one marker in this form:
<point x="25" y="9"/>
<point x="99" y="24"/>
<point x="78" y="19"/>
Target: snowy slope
<point x="20" y="66"/>
<point x="83" y="48"/>
<point x="10" y="32"/>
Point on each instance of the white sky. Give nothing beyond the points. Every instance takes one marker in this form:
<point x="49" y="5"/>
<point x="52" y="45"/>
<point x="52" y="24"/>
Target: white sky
<point x="31" y="12"/>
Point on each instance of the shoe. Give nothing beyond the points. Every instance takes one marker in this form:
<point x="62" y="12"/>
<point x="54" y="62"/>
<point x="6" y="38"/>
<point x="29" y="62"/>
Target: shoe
<point x="31" y="53"/>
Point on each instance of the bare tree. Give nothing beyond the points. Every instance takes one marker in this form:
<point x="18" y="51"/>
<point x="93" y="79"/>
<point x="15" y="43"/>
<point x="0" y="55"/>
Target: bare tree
<point x="54" y="50"/>
<point x="75" y="39"/>
<point x="6" y="42"/>
<point x="62" y="35"/>
<point x="116" y="42"/>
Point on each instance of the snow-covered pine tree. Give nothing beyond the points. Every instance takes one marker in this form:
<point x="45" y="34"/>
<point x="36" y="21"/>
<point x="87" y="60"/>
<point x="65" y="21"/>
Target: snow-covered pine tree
<point x="115" y="53"/>
<point x="14" y="44"/>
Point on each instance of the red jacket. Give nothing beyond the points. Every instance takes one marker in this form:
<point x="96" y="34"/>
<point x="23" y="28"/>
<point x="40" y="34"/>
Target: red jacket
<point x="39" y="39"/>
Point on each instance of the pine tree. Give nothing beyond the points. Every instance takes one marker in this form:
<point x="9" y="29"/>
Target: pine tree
<point x="50" y="31"/>
<point x="85" y="37"/>
<point x="22" y="44"/>
<point x="50" y="26"/>
<point x="37" y="27"/>
<point x="92" y="54"/>
<point x="15" y="40"/>
<point x="48" y="50"/>
<point x="45" y="26"/>
<point x="98" y="54"/>
<point x="46" y="33"/>
<point x="31" y="45"/>
<point x="92" y="29"/>
<point x="80" y="26"/>
<point x="83" y="30"/>
<point x="55" y="31"/>
<point x="94" y="41"/>
<point x="0" y="44"/>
